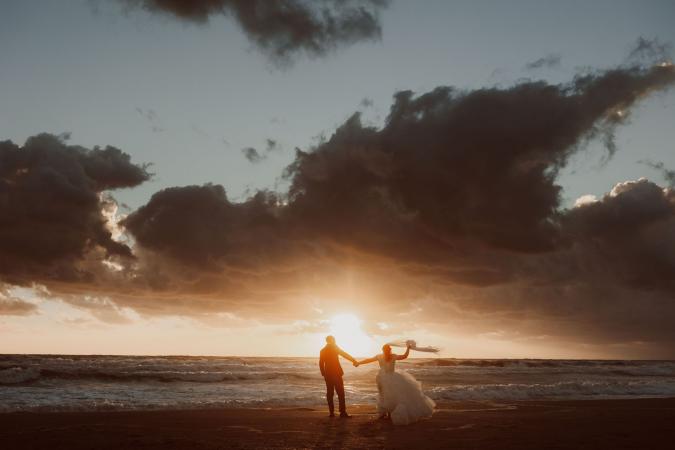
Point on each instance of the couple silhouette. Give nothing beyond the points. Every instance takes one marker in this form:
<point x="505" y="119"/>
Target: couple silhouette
<point x="400" y="396"/>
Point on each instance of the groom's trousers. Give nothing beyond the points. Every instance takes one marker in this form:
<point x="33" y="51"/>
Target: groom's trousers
<point x="335" y="384"/>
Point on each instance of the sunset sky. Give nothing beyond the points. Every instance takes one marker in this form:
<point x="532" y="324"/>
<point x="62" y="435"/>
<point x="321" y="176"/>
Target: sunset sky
<point x="242" y="178"/>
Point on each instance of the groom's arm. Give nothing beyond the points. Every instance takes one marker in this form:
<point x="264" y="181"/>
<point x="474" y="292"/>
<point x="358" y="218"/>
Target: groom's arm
<point x="322" y="363"/>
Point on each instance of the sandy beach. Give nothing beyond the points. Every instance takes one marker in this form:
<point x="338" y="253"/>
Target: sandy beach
<point x="590" y="424"/>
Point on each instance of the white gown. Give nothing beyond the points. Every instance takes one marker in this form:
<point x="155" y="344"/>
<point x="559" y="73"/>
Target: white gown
<point x="400" y="394"/>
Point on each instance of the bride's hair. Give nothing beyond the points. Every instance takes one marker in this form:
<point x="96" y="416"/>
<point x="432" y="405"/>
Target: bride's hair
<point x="386" y="351"/>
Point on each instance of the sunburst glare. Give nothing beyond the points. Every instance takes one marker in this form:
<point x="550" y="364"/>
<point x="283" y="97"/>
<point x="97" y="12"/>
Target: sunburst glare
<point x="350" y="336"/>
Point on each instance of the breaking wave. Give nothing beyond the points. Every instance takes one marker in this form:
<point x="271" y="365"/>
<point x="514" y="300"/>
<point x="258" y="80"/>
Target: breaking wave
<point x="20" y="375"/>
<point x="568" y="390"/>
<point x="88" y="383"/>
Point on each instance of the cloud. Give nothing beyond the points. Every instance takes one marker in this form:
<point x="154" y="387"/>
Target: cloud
<point x="615" y="280"/>
<point x="452" y="205"/>
<point x="366" y="102"/>
<point x="271" y="145"/>
<point x="549" y="61"/>
<point x="451" y="166"/>
<point x="102" y="308"/>
<point x="650" y="51"/>
<point x="282" y="29"/>
<point x="455" y="198"/>
<point x="667" y="174"/>
<point x="151" y="116"/>
<point x="631" y="230"/>
<point x="16" y="307"/>
<point x="12" y="305"/>
<point x="200" y="226"/>
<point x="585" y="199"/>
<point x="51" y="207"/>
<point x="254" y="156"/>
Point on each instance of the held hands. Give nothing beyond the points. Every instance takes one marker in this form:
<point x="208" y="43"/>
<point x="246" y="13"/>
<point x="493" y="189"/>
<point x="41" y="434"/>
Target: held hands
<point x="356" y="363"/>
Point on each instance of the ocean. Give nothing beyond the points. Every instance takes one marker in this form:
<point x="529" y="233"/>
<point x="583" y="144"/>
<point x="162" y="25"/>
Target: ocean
<point x="108" y="383"/>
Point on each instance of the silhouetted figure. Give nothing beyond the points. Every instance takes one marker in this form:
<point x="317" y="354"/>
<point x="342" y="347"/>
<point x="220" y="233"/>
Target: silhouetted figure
<point x="332" y="374"/>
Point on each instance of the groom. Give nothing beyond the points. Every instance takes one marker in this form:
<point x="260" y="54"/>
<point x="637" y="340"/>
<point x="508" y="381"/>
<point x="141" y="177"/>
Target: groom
<point x="332" y="374"/>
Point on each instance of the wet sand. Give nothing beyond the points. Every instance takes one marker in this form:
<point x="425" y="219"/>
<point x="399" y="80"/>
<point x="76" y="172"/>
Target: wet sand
<point x="590" y="424"/>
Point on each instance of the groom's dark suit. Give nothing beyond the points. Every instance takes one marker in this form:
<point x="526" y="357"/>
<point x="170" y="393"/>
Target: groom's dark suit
<point x="332" y="374"/>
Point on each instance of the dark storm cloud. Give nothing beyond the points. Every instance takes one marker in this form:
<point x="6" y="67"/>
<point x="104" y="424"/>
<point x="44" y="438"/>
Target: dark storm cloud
<point x="50" y="206"/>
<point x="452" y="203"/>
<point x="284" y="28"/>
<point x="548" y="61"/>
<point x="200" y="226"/>
<point x="631" y="230"/>
<point x="614" y="282"/>
<point x="449" y="170"/>
<point x="456" y="199"/>
<point x="448" y="165"/>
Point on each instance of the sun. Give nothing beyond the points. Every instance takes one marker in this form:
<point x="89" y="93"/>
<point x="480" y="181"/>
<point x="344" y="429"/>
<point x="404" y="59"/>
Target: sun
<point x="350" y="336"/>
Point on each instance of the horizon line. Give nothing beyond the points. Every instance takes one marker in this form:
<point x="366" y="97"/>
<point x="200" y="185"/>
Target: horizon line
<point x="313" y="356"/>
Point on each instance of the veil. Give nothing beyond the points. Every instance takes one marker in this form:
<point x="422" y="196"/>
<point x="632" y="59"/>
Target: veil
<point x="413" y="346"/>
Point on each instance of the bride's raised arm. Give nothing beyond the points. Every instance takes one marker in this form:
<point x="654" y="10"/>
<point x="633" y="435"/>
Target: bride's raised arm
<point x="403" y="356"/>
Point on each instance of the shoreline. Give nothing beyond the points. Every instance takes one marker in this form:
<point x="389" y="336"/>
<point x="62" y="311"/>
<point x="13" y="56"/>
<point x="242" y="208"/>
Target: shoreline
<point x="441" y="405"/>
<point x="533" y="424"/>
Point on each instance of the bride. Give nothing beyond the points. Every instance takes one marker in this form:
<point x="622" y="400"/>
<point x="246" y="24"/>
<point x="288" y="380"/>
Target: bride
<point x="400" y="394"/>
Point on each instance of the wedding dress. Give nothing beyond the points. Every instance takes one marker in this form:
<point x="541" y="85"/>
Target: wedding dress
<point x="400" y="394"/>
